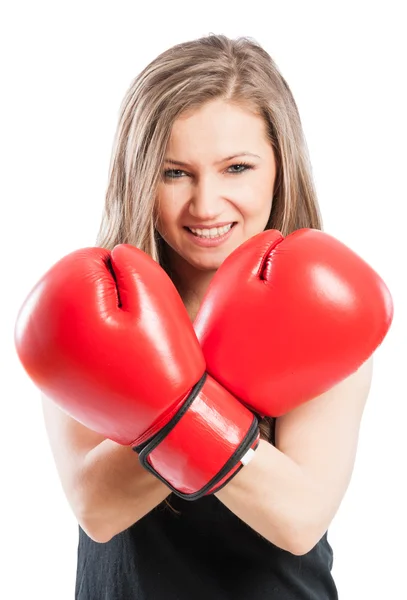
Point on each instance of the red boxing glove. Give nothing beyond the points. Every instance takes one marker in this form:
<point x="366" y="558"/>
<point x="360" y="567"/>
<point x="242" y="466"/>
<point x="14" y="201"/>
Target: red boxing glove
<point x="285" y="319"/>
<point x="106" y="336"/>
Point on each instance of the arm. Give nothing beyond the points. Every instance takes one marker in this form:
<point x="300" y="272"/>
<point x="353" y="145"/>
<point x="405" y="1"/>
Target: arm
<point x="105" y="485"/>
<point x="107" y="338"/>
<point x="290" y="493"/>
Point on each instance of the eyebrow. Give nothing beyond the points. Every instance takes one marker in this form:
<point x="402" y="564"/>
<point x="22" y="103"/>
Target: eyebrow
<point x="183" y="164"/>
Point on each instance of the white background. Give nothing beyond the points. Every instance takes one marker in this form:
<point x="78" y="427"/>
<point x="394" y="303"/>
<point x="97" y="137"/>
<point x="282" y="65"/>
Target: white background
<point x="65" y="69"/>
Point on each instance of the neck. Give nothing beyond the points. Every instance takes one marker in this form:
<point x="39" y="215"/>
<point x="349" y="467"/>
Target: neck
<point x="190" y="282"/>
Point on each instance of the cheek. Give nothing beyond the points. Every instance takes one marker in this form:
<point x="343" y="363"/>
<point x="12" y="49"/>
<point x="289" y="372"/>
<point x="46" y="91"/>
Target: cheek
<point x="256" y="206"/>
<point x="255" y="198"/>
<point x="167" y="209"/>
<point x="168" y="221"/>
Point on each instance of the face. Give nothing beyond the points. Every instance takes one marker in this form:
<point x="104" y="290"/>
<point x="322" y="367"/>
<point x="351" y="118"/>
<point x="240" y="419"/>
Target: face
<point x="217" y="184"/>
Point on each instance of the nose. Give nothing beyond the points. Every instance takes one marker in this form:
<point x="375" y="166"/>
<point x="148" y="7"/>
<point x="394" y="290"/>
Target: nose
<point x="206" y="201"/>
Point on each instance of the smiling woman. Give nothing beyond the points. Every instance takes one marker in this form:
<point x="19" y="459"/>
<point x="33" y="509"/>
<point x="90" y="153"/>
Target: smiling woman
<point x="205" y="369"/>
<point x="213" y="205"/>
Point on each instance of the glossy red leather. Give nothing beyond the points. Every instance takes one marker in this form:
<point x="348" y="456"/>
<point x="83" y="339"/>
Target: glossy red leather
<point x="107" y="337"/>
<point x="285" y="319"/>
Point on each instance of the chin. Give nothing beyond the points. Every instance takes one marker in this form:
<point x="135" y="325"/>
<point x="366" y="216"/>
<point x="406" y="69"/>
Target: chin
<point x="206" y="263"/>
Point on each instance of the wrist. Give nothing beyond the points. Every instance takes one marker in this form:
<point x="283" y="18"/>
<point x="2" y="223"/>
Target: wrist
<point x="205" y="444"/>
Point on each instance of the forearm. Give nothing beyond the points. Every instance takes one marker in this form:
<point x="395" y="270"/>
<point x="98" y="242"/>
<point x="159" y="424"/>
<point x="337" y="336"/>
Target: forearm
<point x="278" y="499"/>
<point x="114" y="491"/>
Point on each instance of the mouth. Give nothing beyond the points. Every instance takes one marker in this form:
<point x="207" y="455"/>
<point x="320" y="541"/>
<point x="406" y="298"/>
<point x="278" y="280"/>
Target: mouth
<point x="209" y="237"/>
<point x="212" y="232"/>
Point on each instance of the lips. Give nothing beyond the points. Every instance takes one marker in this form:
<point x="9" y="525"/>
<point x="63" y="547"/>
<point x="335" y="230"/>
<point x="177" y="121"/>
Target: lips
<point x="210" y="236"/>
<point x="211" y="232"/>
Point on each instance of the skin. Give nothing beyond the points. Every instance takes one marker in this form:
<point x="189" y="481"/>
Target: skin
<point x="201" y="187"/>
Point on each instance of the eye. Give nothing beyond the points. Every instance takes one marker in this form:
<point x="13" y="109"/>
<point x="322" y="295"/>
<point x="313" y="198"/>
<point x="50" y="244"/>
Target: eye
<point x="242" y="168"/>
<point x="172" y="173"/>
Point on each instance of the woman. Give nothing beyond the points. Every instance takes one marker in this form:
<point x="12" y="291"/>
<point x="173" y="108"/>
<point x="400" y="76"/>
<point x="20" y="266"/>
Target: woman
<point x="210" y="151"/>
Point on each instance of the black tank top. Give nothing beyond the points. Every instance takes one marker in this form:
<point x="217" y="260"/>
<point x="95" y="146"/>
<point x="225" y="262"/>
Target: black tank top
<point x="203" y="553"/>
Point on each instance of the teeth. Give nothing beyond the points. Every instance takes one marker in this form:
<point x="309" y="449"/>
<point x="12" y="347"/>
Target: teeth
<point x="211" y="233"/>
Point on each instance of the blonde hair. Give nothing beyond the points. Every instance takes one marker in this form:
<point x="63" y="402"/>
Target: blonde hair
<point x="182" y="78"/>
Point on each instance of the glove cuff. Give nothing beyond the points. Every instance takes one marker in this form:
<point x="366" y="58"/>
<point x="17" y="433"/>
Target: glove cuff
<point x="204" y="445"/>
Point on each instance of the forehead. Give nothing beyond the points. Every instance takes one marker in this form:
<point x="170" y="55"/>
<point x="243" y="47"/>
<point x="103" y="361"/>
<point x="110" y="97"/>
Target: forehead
<point x="220" y="125"/>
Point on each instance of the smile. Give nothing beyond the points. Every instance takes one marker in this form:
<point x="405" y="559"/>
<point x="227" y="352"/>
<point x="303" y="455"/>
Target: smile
<point x="213" y="232"/>
<point x="210" y="237"/>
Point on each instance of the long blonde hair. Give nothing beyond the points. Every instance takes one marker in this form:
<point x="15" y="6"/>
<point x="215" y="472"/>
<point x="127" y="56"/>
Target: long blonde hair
<point x="182" y="78"/>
